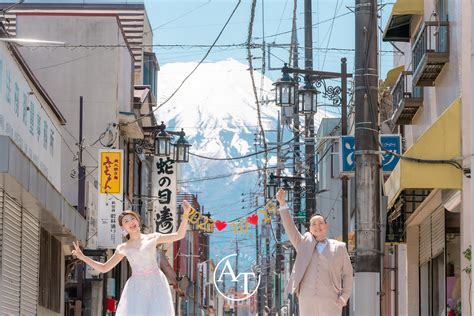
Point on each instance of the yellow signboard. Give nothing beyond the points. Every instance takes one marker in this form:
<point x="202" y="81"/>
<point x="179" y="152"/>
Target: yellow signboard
<point x="110" y="172"/>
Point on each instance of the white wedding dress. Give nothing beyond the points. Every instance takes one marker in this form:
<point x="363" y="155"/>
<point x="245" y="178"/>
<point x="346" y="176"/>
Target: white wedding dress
<point x="147" y="292"/>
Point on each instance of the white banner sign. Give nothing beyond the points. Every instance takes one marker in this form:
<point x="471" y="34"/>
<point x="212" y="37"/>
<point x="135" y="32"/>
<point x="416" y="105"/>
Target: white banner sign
<point x="164" y="191"/>
<point x="29" y="123"/>
<point x="110" y="197"/>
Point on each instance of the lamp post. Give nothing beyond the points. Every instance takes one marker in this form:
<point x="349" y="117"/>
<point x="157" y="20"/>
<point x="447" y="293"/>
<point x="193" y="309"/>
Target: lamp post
<point x="306" y="105"/>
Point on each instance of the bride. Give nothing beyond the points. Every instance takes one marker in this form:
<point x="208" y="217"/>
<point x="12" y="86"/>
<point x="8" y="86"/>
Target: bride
<point x="147" y="291"/>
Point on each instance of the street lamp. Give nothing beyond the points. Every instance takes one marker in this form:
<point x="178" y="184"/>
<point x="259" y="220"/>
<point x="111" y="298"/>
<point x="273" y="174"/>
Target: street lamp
<point x="182" y="148"/>
<point x="272" y="186"/>
<point x="307" y="93"/>
<point x="285" y="89"/>
<point x="157" y="142"/>
<point x="288" y="190"/>
<point x="162" y="142"/>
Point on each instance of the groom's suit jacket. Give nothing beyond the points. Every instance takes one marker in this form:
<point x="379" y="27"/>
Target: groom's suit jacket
<point x="341" y="272"/>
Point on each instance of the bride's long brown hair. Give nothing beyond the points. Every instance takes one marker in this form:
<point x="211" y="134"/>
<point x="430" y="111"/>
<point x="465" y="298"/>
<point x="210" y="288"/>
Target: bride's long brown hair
<point x="125" y="213"/>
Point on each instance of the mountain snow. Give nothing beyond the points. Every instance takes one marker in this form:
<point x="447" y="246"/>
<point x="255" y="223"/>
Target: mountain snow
<point x="217" y="109"/>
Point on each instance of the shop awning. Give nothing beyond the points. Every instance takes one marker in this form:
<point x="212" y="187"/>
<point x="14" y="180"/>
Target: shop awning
<point x="398" y="25"/>
<point x="129" y="125"/>
<point x="392" y="76"/>
<point x="442" y="141"/>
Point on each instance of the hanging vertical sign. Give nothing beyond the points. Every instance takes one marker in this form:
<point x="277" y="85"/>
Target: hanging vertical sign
<point x="164" y="192"/>
<point x="110" y="197"/>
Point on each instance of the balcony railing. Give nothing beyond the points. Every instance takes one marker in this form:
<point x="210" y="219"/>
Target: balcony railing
<point x="430" y="52"/>
<point x="406" y="99"/>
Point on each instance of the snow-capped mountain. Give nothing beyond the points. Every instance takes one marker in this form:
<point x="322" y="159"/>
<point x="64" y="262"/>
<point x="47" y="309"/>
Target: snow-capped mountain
<point x="216" y="107"/>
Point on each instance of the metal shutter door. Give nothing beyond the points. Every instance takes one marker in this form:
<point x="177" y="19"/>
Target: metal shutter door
<point x="425" y="240"/>
<point x="29" y="264"/>
<point x="11" y="259"/>
<point x="437" y="232"/>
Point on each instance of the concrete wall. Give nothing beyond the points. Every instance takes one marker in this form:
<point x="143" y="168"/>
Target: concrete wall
<point x="102" y="76"/>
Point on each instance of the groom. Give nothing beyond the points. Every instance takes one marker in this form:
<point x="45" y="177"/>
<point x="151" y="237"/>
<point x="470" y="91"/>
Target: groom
<point x="322" y="272"/>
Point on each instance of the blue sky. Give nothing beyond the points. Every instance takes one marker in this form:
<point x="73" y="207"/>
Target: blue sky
<point x="198" y="22"/>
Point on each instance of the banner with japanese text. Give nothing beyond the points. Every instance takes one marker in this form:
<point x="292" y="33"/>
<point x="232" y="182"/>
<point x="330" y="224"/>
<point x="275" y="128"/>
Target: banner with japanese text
<point x="110" y="197"/>
<point x="164" y="192"/>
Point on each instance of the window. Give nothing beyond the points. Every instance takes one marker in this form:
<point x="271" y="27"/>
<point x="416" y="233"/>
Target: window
<point x="150" y="71"/>
<point x="442" y="10"/>
<point x="50" y="272"/>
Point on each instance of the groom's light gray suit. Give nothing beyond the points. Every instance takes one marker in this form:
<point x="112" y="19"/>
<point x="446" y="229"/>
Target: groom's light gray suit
<point x="318" y="279"/>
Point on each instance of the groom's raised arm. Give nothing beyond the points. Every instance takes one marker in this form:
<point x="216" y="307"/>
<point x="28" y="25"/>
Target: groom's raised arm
<point x="290" y="228"/>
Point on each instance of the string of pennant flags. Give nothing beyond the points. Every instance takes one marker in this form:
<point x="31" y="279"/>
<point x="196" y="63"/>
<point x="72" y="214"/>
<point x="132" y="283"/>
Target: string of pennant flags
<point x="239" y="226"/>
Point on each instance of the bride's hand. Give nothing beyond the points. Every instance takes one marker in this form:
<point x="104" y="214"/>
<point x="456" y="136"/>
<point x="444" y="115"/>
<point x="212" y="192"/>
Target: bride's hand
<point x="187" y="208"/>
<point x="77" y="252"/>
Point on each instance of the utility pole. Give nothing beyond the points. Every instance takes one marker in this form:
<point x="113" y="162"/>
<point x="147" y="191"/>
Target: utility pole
<point x="309" y="118"/>
<point x="367" y="171"/>
<point x="345" y="179"/>
<point x="278" y="227"/>
<point x="259" y="270"/>
<point x="268" y="266"/>
<point x="81" y="194"/>
<point x="236" y="273"/>
<point x="296" y="126"/>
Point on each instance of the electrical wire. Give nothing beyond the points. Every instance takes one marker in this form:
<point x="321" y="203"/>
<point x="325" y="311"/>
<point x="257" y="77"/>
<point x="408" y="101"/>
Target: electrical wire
<point x="330" y="31"/>
<point x="316" y="24"/>
<point x="178" y="17"/>
<point x="244" y="156"/>
<point x="192" y="71"/>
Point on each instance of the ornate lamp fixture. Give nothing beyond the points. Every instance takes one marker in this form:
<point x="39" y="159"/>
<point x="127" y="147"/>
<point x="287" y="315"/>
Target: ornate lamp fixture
<point x="157" y="142"/>
<point x="308" y="98"/>
<point x="182" y="148"/>
<point x="285" y="89"/>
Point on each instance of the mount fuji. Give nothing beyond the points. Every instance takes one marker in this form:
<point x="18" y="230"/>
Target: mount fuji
<point x="216" y="108"/>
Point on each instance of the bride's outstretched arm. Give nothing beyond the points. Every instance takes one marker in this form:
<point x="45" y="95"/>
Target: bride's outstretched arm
<point x="98" y="266"/>
<point x="181" y="232"/>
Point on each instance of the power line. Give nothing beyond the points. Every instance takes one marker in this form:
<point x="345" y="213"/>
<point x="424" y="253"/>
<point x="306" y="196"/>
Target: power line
<point x="299" y="28"/>
<point x="178" y="17"/>
<point x="245" y="156"/>
<point x="190" y="74"/>
<point x="330" y="31"/>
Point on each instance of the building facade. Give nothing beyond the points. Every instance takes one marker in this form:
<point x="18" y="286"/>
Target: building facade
<point x="36" y="219"/>
<point x="118" y="86"/>
<point x="429" y="197"/>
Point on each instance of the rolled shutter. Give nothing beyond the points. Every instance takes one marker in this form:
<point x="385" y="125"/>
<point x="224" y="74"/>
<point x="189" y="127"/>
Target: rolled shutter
<point x="437" y="232"/>
<point x="425" y="241"/>
<point x="11" y="256"/>
<point x="432" y="235"/>
<point x="29" y="264"/>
